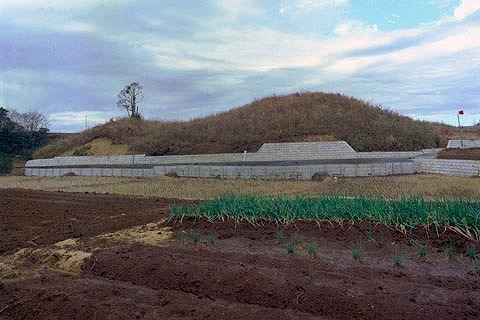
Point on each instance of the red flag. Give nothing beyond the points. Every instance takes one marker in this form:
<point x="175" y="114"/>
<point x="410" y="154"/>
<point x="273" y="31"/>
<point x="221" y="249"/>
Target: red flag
<point x="460" y="112"/>
<point x="130" y="129"/>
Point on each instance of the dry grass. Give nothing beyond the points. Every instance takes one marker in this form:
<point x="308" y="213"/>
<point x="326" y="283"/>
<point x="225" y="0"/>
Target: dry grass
<point x="308" y="116"/>
<point x="465" y="154"/>
<point x="68" y="256"/>
<point x="429" y="186"/>
<point x="99" y="147"/>
<point x="18" y="166"/>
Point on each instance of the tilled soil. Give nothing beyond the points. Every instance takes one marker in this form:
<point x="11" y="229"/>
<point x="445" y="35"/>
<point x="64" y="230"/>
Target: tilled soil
<point x="31" y="218"/>
<point x="233" y="271"/>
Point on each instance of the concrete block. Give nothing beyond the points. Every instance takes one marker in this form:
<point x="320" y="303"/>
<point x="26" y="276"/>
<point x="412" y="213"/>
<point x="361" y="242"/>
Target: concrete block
<point x="126" y="172"/>
<point x="96" y="172"/>
<point x="453" y="144"/>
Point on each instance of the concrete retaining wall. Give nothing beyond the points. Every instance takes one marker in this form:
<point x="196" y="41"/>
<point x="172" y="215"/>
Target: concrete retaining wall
<point x="466" y="168"/>
<point x="85" y="161"/>
<point x="129" y="160"/>
<point x="425" y="153"/>
<point x="304" y="172"/>
<point x="452" y="144"/>
<point x="191" y="165"/>
<point x="196" y="158"/>
<point x="303" y="151"/>
<point x="399" y="154"/>
<point x="268" y="152"/>
<point x="90" y="172"/>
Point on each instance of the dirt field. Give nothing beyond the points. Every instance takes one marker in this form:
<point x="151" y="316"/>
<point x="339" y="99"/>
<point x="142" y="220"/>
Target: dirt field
<point x="92" y="256"/>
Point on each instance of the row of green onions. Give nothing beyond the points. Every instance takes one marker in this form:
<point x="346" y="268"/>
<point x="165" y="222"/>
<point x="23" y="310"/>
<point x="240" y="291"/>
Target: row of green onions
<point x="407" y="213"/>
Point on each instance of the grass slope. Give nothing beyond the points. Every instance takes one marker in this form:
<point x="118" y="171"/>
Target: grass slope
<point x="291" y="118"/>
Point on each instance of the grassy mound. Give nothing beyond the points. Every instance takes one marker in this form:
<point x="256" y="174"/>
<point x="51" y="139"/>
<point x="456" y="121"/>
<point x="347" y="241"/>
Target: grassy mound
<point x="290" y="118"/>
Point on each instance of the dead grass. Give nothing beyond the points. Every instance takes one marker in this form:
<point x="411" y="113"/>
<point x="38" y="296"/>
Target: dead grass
<point x="18" y="168"/>
<point x="307" y="116"/>
<point x="28" y="262"/>
<point x="464" y="154"/>
<point x="149" y="233"/>
<point x="99" y="147"/>
<point x="429" y="186"/>
<point x="68" y="256"/>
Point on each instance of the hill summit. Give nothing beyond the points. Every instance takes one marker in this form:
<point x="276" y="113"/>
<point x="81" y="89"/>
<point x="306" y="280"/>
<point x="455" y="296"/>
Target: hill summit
<point x="310" y="116"/>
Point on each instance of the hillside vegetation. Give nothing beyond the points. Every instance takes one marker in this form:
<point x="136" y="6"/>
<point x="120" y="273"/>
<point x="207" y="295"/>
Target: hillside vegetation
<point x="292" y="118"/>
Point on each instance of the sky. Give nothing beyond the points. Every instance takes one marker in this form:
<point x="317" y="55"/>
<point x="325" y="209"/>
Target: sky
<point x="69" y="58"/>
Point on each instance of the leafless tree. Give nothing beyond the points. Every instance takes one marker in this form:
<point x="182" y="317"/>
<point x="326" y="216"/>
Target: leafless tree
<point x="129" y="98"/>
<point x="31" y="121"/>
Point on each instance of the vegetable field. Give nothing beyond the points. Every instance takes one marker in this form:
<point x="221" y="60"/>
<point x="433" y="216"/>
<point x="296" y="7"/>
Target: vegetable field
<point x="407" y="213"/>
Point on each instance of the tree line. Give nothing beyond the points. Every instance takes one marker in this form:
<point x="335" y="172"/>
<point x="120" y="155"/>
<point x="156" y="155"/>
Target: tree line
<point x="20" y="135"/>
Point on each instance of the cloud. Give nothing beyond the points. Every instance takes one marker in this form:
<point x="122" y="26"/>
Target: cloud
<point x="35" y="5"/>
<point x="349" y="27"/>
<point x="195" y="58"/>
<point x="235" y="8"/>
<point x="466" y="8"/>
<point x="463" y="40"/>
<point x="315" y="4"/>
<point x="68" y="119"/>
<point x="302" y="7"/>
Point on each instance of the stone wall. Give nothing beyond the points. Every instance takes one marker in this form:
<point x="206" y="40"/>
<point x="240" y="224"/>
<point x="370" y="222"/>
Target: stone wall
<point x="466" y="168"/>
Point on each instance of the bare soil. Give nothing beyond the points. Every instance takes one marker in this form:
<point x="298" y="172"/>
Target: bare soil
<point x="32" y="218"/>
<point x="122" y="258"/>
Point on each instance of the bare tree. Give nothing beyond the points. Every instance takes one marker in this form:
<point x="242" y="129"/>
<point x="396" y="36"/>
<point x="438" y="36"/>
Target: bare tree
<point x="129" y="98"/>
<point x="31" y="121"/>
<point x="6" y="122"/>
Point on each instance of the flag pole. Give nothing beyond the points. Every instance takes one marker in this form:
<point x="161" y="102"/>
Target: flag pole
<point x="460" y="129"/>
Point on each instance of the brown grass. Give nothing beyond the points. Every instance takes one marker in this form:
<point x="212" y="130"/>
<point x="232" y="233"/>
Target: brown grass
<point x="465" y="154"/>
<point x="18" y="167"/>
<point x="98" y="147"/>
<point x="291" y="118"/>
<point x="429" y="186"/>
